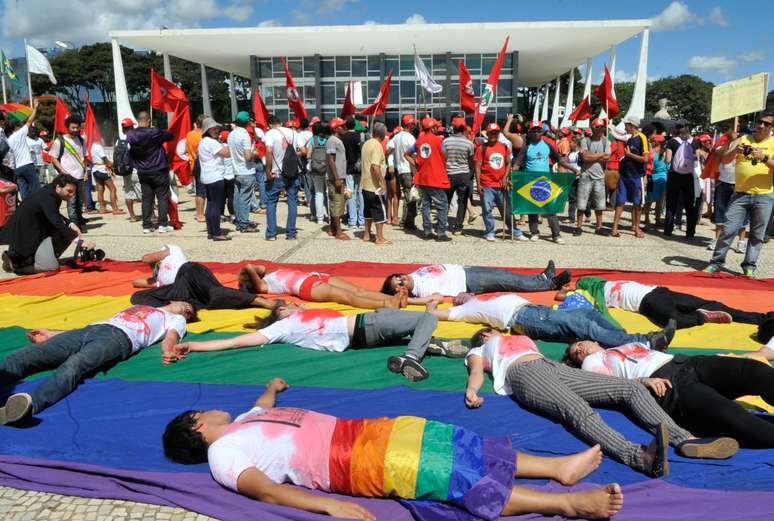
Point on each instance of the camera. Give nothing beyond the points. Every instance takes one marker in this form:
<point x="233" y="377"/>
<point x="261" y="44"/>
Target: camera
<point x="90" y="255"/>
<point x="748" y="150"/>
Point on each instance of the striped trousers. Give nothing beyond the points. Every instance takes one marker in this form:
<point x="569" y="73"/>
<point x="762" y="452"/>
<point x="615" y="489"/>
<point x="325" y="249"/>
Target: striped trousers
<point x="567" y="394"/>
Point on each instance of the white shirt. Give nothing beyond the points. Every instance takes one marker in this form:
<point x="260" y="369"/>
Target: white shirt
<point x="228" y="168"/>
<point x="36" y="150"/>
<point x="493" y="309"/>
<point x="70" y="163"/>
<point x="97" y="153"/>
<point x="286" y="281"/>
<point x="20" y="147"/>
<point x="399" y="145"/>
<point x="238" y="143"/>
<point x="212" y="165"/>
<point x="625" y="294"/>
<point x="498" y="353"/>
<point x="278" y="139"/>
<point x="728" y="172"/>
<point x="318" y="329"/>
<point x="627" y="361"/>
<point x="146" y="325"/>
<point x="446" y="279"/>
<point x="170" y="265"/>
<point x="302" y="139"/>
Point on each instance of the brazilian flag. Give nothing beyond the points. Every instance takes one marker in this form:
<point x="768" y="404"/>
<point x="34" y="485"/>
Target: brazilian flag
<point x="540" y="192"/>
<point x="6" y="67"/>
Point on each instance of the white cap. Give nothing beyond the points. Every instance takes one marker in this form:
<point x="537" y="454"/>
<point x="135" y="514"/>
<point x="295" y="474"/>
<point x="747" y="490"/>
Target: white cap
<point x="632" y="121"/>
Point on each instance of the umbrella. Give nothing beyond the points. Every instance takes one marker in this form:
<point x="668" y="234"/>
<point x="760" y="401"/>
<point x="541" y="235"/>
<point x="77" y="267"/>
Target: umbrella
<point x="16" y="111"/>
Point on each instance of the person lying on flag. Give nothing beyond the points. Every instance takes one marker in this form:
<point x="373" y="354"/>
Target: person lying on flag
<point x="448" y="280"/>
<point x="265" y="450"/>
<point x="314" y="287"/>
<point x="165" y="264"/>
<point x="658" y="303"/>
<point x="81" y="353"/>
<point x="566" y="394"/>
<point x="510" y="311"/>
<point x="329" y="330"/>
<point x="698" y="392"/>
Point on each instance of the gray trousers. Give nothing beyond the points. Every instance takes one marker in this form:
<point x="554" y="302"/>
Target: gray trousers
<point x="567" y="394"/>
<point x="46" y="257"/>
<point x="390" y="326"/>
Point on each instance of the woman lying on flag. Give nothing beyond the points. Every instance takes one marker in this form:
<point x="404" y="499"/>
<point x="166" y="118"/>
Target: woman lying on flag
<point x="263" y="450"/>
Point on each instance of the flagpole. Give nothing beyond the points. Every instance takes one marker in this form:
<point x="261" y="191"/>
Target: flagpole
<point x="2" y="75"/>
<point x="29" y="76"/>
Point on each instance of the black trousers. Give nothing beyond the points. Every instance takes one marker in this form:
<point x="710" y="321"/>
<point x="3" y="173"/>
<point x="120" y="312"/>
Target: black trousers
<point x="460" y="184"/>
<point x="154" y="185"/>
<point x="196" y="285"/>
<point x="230" y="196"/>
<point x="703" y="392"/>
<point x="679" y="187"/>
<point x="661" y="304"/>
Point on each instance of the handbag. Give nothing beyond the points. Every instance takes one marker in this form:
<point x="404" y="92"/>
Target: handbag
<point x="611" y="179"/>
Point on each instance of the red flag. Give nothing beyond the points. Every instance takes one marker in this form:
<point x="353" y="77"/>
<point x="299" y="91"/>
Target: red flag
<point x="176" y="148"/>
<point x="90" y="128"/>
<point x="165" y="95"/>
<point x="604" y="93"/>
<point x="381" y="101"/>
<point x="260" y="112"/>
<point x="467" y="96"/>
<point x="294" y="98"/>
<point x="349" y="108"/>
<point x="582" y="111"/>
<point x="62" y="113"/>
<point x="489" y="90"/>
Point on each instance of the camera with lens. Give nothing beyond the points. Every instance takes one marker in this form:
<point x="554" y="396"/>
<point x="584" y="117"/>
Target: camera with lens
<point x="747" y="150"/>
<point x="88" y="255"/>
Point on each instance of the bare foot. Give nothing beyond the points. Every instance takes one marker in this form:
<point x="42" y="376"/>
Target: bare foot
<point x="603" y="502"/>
<point x="576" y="467"/>
<point x="133" y="219"/>
<point x="38" y="336"/>
<point x="343" y="237"/>
<point x="366" y="238"/>
<point x="200" y="219"/>
<point x="382" y="242"/>
<point x="118" y="211"/>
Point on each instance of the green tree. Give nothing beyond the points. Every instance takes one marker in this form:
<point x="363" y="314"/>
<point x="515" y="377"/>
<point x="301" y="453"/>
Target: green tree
<point x="690" y="98"/>
<point x="770" y="102"/>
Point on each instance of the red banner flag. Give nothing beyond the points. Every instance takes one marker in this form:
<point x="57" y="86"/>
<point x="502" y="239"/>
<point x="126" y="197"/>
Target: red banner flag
<point x="467" y="96"/>
<point x="349" y="108"/>
<point x="604" y="93"/>
<point x="381" y="101"/>
<point x="176" y="148"/>
<point x="582" y="111"/>
<point x="62" y="113"/>
<point x="260" y="112"/>
<point x="489" y="90"/>
<point x="90" y="128"/>
<point x="165" y="95"/>
<point x="294" y="98"/>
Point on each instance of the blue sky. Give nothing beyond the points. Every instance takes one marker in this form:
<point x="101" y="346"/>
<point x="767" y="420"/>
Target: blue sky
<point x="717" y="39"/>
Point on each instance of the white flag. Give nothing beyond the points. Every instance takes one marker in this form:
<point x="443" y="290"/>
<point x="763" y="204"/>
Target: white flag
<point x="425" y="79"/>
<point x="38" y="64"/>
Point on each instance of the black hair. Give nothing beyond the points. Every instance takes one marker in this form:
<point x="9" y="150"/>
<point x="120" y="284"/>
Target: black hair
<point x="62" y="180"/>
<point x="350" y="123"/>
<point x="273" y="120"/>
<point x="387" y="286"/>
<point x="766" y="328"/>
<point x="261" y="323"/>
<point x="568" y="360"/>
<point x="321" y="129"/>
<point x="304" y="123"/>
<point x="648" y="130"/>
<point x="477" y="340"/>
<point x="2" y="115"/>
<point x="182" y="444"/>
<point x="73" y="119"/>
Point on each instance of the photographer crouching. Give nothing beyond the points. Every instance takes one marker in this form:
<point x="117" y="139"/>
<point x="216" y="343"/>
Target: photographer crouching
<point x="37" y="234"/>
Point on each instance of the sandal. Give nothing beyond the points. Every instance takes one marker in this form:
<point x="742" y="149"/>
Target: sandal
<point x="615" y="234"/>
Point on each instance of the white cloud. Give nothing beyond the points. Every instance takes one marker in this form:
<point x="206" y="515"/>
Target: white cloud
<point x="270" y="23"/>
<point x="309" y="10"/>
<point x="673" y="17"/>
<point x="238" y="11"/>
<point x="720" y="64"/>
<point x="753" y="56"/>
<point x="624" y="77"/>
<point x="370" y="22"/>
<point x="415" y="19"/>
<point x="716" y="17"/>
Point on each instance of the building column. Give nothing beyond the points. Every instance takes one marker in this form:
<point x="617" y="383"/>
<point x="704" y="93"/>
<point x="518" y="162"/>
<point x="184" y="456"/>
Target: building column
<point x="448" y="88"/>
<point x="206" y="108"/>
<point x="232" y="96"/>
<point x="168" y="76"/>
<point x="254" y="73"/>
<point x="318" y="84"/>
<point x="515" y="83"/>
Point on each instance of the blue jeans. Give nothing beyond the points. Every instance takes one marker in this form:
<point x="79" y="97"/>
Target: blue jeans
<point x="260" y="179"/>
<point x="543" y="323"/>
<point x="435" y="197"/>
<point x="74" y="355"/>
<point x="355" y="203"/>
<point x="490" y="280"/>
<point x="244" y="189"/>
<point x="742" y="206"/>
<point x="492" y="197"/>
<point x="27" y="179"/>
<point x="274" y="188"/>
<point x="216" y="202"/>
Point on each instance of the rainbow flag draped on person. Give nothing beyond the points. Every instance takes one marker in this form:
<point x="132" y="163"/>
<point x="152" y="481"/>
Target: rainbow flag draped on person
<point x="540" y="192"/>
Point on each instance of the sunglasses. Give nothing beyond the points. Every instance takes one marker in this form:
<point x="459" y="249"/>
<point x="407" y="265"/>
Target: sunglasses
<point x="764" y="122"/>
<point x="400" y="282"/>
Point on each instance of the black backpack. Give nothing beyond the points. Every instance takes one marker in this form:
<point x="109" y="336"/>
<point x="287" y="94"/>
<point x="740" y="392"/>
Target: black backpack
<point x="121" y="165"/>
<point x="291" y="167"/>
<point x="319" y="156"/>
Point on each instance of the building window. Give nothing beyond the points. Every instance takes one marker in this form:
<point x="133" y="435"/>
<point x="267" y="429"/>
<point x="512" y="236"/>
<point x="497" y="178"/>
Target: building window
<point x="265" y="67"/>
<point x="439" y="64"/>
<point x="359" y="67"/>
<point x="406" y="63"/>
<point x="328" y="70"/>
<point x="373" y="90"/>
<point x="473" y="63"/>
<point x="373" y="64"/>
<point x="343" y="66"/>
<point x="309" y="67"/>
<point x="328" y="93"/>
<point x="391" y="63"/>
<point x="408" y="91"/>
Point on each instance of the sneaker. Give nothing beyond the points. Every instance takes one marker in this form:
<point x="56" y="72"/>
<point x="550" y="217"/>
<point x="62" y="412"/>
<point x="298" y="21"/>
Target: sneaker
<point x="443" y="238"/>
<point x="490" y="238"/>
<point x="408" y="367"/>
<point x="247" y="230"/>
<point x="271" y="238"/>
<point x="550" y="270"/>
<point x="660" y="340"/>
<point x="558" y="240"/>
<point x="708" y="448"/>
<point x="535" y="238"/>
<point x="715" y="317"/>
<point x="656" y="457"/>
<point x="320" y="221"/>
<point x="16" y="407"/>
<point x="220" y="238"/>
<point x="147" y="230"/>
<point x="7" y="266"/>
<point x="522" y="238"/>
<point x="560" y="280"/>
<point x="577" y="232"/>
<point x="456" y="232"/>
<point x="749" y="273"/>
<point x="165" y="229"/>
<point x="741" y="246"/>
<point x="711" y="245"/>
<point x="448" y="348"/>
<point x="711" y="268"/>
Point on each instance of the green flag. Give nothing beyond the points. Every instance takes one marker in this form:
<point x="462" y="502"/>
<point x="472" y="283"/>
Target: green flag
<point x="6" y="67"/>
<point x="540" y="192"/>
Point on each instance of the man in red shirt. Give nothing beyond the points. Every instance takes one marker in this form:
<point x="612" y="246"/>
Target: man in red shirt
<point x="493" y="181"/>
<point x="429" y="167"/>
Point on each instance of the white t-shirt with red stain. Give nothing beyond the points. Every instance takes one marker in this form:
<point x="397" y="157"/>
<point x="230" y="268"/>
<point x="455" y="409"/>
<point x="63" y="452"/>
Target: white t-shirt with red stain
<point x="627" y="361"/>
<point x="446" y="279"/>
<point x="318" y="329"/>
<point x="288" y="445"/>
<point x="494" y="309"/>
<point x="170" y="265"/>
<point x="146" y="325"/>
<point x="498" y="353"/>
<point x="286" y="281"/>
<point x="625" y="294"/>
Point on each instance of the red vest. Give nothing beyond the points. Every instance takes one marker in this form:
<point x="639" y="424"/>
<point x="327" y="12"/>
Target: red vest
<point x="431" y="166"/>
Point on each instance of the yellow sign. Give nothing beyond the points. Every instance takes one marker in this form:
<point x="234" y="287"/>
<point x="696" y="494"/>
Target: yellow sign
<point x="739" y="97"/>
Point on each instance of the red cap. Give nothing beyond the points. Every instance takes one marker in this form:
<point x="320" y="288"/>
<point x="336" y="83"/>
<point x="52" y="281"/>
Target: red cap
<point x="598" y="122"/>
<point x="705" y="137"/>
<point x="43" y="133"/>
<point x="565" y="131"/>
<point x="441" y="129"/>
<point x="223" y="135"/>
<point x="397" y="129"/>
<point x="587" y="132"/>
<point x="127" y="123"/>
<point x="336" y="122"/>
<point x="456" y="121"/>
<point x="314" y="120"/>
<point x="536" y="124"/>
<point x="493" y="127"/>
<point x="408" y="119"/>
<point x="428" y="123"/>
<point x="658" y="138"/>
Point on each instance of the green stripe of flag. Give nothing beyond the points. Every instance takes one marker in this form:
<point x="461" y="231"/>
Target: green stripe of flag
<point x="435" y="461"/>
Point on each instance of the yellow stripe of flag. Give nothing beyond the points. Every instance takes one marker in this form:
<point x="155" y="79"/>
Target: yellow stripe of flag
<point x="401" y="463"/>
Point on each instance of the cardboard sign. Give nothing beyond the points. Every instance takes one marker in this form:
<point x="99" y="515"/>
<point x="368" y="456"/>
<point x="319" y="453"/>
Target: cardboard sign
<point x="739" y="97"/>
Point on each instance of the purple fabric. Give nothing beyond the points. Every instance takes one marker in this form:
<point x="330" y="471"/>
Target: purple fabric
<point x="489" y="496"/>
